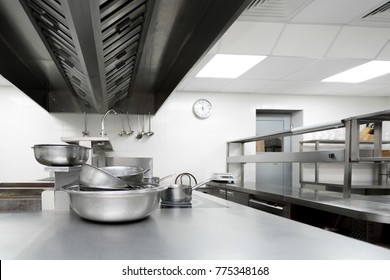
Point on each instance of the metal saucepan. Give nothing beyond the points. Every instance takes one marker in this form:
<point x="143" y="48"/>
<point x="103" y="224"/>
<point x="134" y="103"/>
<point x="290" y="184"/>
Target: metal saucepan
<point x="114" y="206"/>
<point x="61" y="154"/>
<point x="179" y="193"/>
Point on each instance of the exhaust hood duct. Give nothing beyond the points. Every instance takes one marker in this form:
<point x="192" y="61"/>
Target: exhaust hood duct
<point x="92" y="56"/>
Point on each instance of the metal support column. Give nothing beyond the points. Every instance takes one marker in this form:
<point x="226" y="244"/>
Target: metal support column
<point x="347" y="158"/>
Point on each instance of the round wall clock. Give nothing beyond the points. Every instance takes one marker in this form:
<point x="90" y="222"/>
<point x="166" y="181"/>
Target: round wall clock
<point x="202" y="108"/>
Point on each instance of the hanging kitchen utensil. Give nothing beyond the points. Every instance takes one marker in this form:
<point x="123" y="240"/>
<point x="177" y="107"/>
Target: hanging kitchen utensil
<point x="139" y="135"/>
<point x="143" y="125"/>
<point x="150" y="133"/>
<point x="85" y="132"/>
<point x="123" y="132"/>
<point x="128" y="123"/>
<point x="178" y="193"/>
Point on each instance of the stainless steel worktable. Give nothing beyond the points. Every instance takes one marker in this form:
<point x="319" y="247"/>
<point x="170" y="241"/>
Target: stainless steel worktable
<point x="212" y="229"/>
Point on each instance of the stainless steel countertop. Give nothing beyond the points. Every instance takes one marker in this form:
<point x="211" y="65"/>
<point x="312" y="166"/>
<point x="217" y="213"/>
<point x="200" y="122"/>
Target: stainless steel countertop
<point x="212" y="229"/>
<point x="374" y="208"/>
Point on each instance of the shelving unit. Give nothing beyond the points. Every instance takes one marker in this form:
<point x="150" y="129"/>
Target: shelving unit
<point x="376" y="182"/>
<point x="348" y="155"/>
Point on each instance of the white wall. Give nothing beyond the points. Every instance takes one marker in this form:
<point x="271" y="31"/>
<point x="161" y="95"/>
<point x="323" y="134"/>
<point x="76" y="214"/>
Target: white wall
<point x="181" y="142"/>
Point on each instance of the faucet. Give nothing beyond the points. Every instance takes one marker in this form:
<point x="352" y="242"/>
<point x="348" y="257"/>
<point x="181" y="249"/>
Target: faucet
<point x="103" y="133"/>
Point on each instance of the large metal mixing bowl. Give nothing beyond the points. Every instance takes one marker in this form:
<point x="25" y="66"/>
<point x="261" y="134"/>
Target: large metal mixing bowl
<point x="114" y="206"/>
<point x="96" y="178"/>
<point x="129" y="174"/>
<point x="61" y="154"/>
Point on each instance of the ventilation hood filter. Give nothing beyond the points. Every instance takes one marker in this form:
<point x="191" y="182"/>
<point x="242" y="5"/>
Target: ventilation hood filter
<point x="88" y="41"/>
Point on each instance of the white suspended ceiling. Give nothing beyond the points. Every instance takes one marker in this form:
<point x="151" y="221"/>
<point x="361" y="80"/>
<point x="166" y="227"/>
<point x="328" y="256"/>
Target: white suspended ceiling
<point x="306" y="41"/>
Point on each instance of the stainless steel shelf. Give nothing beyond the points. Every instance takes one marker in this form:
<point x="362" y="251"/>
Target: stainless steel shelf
<point x="98" y="144"/>
<point x="374" y="159"/>
<point x="351" y="153"/>
<point x="315" y="156"/>
<point x="294" y="131"/>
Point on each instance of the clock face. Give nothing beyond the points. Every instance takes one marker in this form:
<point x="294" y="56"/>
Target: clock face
<point x="202" y="108"/>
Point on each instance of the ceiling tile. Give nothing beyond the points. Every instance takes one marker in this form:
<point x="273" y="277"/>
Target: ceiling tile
<point x="385" y="53"/>
<point x="360" y="90"/>
<point x="378" y="16"/>
<point x="305" y="40"/>
<point x="334" y="11"/>
<point x="241" y="85"/>
<point x="276" y="67"/>
<point x="281" y="87"/>
<point x="204" y="84"/>
<point x="250" y="38"/>
<point x="381" y="80"/>
<point x="273" y="10"/>
<point x="323" y="68"/>
<point x="324" y="39"/>
<point x="359" y="42"/>
<point x="319" y="88"/>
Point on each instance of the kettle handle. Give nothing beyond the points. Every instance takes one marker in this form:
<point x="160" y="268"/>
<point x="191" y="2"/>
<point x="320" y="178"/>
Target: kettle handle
<point x="189" y="175"/>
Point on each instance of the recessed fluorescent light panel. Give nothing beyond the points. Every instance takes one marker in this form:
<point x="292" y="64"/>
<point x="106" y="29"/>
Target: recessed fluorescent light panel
<point x="362" y="72"/>
<point x="229" y="66"/>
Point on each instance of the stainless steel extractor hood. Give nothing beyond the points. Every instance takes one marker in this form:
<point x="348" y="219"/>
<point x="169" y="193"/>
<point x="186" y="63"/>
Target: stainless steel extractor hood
<point x="95" y="55"/>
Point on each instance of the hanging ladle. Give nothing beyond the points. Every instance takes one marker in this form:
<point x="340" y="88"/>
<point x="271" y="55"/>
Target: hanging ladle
<point x="143" y="126"/>
<point x="128" y="122"/>
<point x="140" y="133"/>
<point x="150" y="133"/>
<point x="123" y="132"/>
<point x="85" y="132"/>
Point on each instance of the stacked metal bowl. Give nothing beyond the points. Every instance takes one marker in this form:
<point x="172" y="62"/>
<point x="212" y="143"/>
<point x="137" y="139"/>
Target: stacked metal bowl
<point x="113" y="194"/>
<point x="61" y="154"/>
<point x="111" y="177"/>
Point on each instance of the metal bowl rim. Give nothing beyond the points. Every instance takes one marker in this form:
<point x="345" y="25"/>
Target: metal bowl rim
<point x="69" y="189"/>
<point x="141" y="169"/>
<point x="60" y="145"/>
